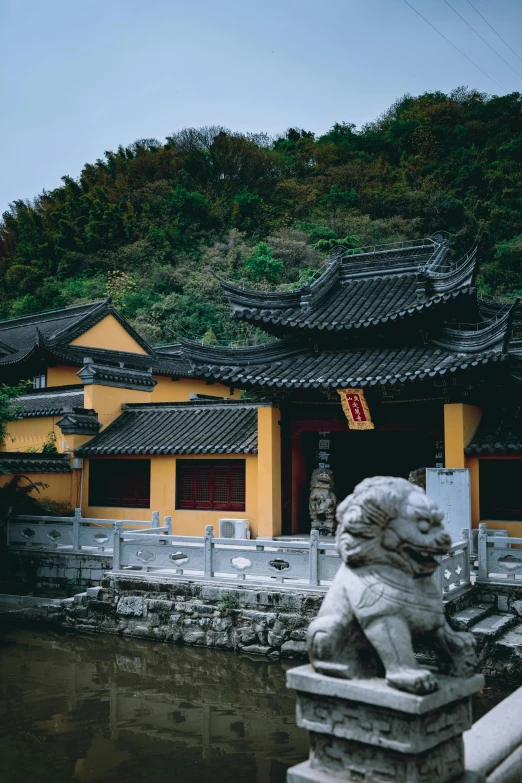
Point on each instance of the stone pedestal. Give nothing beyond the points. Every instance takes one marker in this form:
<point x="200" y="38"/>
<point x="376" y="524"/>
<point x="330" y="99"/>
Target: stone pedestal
<point x="368" y="732"/>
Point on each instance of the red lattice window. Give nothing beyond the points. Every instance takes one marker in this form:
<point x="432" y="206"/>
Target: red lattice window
<point x="211" y="485"/>
<point x="124" y="483"/>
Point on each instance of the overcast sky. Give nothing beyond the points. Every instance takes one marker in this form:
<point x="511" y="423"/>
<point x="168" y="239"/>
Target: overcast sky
<point x="83" y="76"/>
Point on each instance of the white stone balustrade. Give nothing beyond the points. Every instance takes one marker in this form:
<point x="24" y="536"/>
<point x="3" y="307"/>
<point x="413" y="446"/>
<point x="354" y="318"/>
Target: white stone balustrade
<point x="311" y="562"/>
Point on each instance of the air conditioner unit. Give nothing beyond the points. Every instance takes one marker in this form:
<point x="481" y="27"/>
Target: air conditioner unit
<point x="234" y="528"/>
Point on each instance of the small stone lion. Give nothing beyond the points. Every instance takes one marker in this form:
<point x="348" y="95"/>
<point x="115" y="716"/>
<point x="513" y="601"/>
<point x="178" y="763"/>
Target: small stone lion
<point x="322" y="502"/>
<point x="383" y="595"/>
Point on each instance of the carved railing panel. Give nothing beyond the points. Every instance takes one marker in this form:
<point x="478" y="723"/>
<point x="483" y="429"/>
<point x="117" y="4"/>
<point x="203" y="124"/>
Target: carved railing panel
<point x="499" y="558"/>
<point x="454" y="571"/>
<point x="44" y="535"/>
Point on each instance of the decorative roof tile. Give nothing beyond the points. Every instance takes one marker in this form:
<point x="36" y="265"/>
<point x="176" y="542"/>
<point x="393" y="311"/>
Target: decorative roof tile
<point x="50" y="402"/>
<point x="74" y="423"/>
<point x="122" y="377"/>
<point x="196" y="427"/>
<point x="25" y="462"/>
<point x="499" y="432"/>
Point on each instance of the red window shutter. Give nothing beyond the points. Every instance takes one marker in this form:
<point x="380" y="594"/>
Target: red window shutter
<point x="203" y="487"/>
<point x="110" y="495"/>
<point x="237" y="487"/>
<point x="142" y="494"/>
<point x="221" y="499"/>
<point x="128" y="489"/>
<point x="186" y="496"/>
<point x="218" y="485"/>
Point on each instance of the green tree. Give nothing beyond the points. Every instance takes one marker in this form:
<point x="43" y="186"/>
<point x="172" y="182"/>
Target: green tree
<point x="261" y="265"/>
<point x="156" y="212"/>
<point x="9" y="409"/>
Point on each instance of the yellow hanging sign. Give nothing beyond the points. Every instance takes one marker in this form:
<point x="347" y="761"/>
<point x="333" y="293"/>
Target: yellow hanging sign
<point x="356" y="409"/>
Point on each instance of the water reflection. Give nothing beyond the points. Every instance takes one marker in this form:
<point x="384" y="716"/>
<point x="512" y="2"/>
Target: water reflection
<point x="85" y="709"/>
<point x="104" y="709"/>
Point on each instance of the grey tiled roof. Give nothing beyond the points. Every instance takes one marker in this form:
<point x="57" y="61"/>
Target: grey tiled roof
<point x="20" y="337"/>
<point x="20" y="462"/>
<point x="361" y="290"/>
<point x="499" y="432"/>
<point x="50" y="402"/>
<point x="293" y="364"/>
<point x="19" y="333"/>
<point x="229" y="427"/>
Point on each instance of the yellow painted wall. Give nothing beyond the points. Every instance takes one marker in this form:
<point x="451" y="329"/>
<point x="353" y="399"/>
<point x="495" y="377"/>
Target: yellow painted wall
<point x="111" y="335"/>
<point x="460" y="424"/>
<point x="107" y="400"/>
<point x="473" y="463"/>
<point x="269" y="472"/>
<point x="60" y="485"/>
<point x="163" y="497"/>
<point x="167" y="390"/>
<point x="63" y="376"/>
<point x="32" y="432"/>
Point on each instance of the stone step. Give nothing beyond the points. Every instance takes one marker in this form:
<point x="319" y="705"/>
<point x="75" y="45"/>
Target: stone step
<point x="511" y="641"/>
<point x="464" y="619"/>
<point x="493" y="625"/>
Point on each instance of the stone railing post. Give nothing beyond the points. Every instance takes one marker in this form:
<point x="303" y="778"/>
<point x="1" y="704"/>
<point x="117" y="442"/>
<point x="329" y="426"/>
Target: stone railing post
<point x="116" y="544"/>
<point x="209" y="534"/>
<point x="482" y="550"/>
<point x="76" y="529"/>
<point x="155" y="519"/>
<point x="313" y="555"/>
<point x="167" y="523"/>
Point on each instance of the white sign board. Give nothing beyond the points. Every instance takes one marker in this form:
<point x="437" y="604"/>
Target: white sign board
<point x="449" y="487"/>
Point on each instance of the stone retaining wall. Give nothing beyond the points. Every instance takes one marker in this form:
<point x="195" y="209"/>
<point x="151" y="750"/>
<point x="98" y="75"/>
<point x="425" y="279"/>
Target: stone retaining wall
<point x="262" y="621"/>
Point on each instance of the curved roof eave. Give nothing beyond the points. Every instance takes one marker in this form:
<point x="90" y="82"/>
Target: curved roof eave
<point x="428" y="282"/>
<point x="495" y="335"/>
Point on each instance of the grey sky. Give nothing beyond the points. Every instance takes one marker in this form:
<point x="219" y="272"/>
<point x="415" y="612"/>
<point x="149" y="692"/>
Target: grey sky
<point x="83" y="76"/>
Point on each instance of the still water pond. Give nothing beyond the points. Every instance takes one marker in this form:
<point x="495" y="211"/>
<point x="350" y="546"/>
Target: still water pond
<point x="81" y="708"/>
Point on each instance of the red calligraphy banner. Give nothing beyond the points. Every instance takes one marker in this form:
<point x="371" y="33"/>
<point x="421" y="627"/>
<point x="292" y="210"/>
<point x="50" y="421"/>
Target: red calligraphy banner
<point x="356" y="409"/>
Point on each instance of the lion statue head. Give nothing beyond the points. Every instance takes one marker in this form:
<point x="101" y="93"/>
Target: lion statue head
<point x="391" y="521"/>
<point x="323" y="478"/>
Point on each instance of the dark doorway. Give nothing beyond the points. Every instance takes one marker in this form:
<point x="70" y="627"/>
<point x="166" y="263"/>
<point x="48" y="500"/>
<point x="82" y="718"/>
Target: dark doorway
<point x="357" y="455"/>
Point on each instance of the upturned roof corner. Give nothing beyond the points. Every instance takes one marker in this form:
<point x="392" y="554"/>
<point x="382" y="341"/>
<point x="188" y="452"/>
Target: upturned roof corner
<point x="362" y="289"/>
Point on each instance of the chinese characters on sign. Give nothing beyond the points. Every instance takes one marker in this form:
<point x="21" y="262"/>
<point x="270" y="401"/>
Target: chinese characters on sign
<point x="356" y="409"/>
<point x="323" y="455"/>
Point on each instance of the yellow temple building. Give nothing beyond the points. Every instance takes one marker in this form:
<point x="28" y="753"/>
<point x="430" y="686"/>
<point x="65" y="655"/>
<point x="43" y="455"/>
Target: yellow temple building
<point x="387" y="363"/>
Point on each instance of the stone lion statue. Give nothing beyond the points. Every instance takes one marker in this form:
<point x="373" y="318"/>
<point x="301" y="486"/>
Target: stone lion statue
<point x="322" y="502"/>
<point x="383" y="595"/>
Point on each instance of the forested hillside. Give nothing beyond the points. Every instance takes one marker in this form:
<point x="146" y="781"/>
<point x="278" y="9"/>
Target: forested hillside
<point x="148" y="222"/>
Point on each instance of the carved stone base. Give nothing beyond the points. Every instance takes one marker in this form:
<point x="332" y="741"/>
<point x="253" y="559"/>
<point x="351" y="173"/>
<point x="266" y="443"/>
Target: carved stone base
<point x="366" y="731"/>
<point x="305" y="773"/>
<point x="380" y="726"/>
